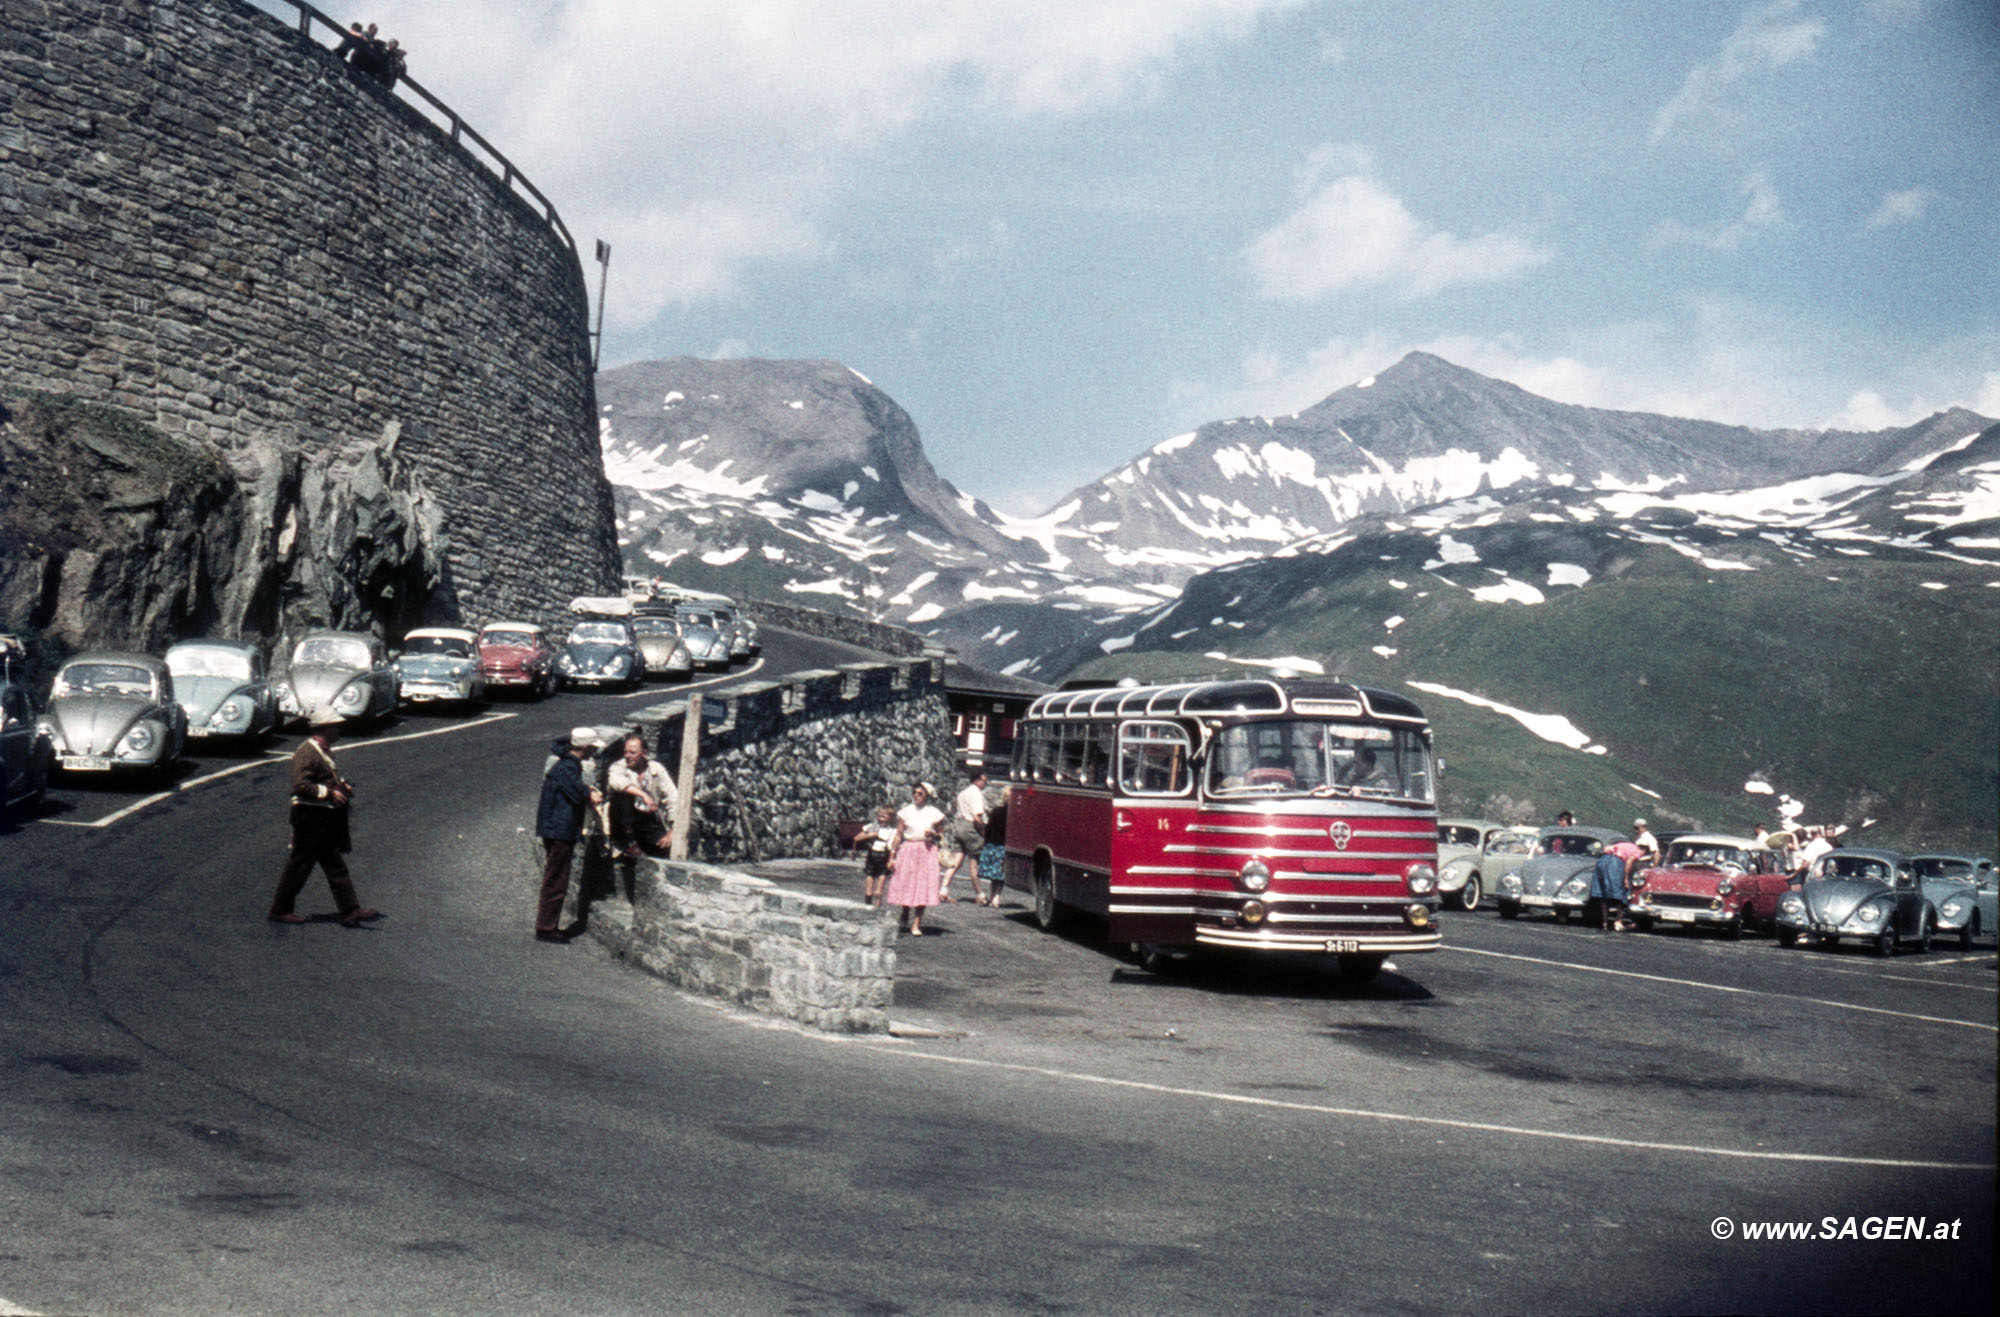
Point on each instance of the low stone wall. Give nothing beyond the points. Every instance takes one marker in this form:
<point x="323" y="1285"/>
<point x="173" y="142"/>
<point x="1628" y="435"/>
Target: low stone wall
<point x="849" y="628"/>
<point x="794" y="757"/>
<point x="822" y="961"/>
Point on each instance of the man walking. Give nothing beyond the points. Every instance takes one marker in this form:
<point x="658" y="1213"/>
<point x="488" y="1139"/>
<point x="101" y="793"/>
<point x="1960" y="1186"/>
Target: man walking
<point x="320" y="796"/>
<point x="559" y="822"/>
<point x="968" y="834"/>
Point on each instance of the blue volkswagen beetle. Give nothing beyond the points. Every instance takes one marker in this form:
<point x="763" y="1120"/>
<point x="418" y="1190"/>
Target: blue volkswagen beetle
<point x="224" y="688"/>
<point x="1858" y="896"/>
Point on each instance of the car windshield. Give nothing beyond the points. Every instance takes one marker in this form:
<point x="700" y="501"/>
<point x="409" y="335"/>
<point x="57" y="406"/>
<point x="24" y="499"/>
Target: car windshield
<point x="654" y="626"/>
<point x="598" y="633"/>
<point x="1511" y="843"/>
<point x="1569" y="843"/>
<point x="1457" y="836"/>
<point x="1706" y="855"/>
<point x="332" y="651"/>
<point x="190" y="661"/>
<point x="523" y="639"/>
<point x="698" y="619"/>
<point x="1939" y="867"/>
<point x="1853" y="866"/>
<point x="1300" y="757"/>
<point x="447" y="646"/>
<point x="104" y="679"/>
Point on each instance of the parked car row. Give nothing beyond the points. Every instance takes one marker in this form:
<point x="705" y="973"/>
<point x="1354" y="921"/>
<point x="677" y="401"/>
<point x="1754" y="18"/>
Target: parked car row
<point x="1725" y="883"/>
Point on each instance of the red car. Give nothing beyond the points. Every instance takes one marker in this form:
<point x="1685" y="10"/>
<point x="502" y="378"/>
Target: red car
<point x="517" y="656"/>
<point x="1713" y="881"/>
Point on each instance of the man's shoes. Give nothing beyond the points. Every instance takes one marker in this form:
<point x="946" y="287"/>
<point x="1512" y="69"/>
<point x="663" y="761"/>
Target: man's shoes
<point x="356" y="918"/>
<point x="286" y="919"/>
<point x="551" y="935"/>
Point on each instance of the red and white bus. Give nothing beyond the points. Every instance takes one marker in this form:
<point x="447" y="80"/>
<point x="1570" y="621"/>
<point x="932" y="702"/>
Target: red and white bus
<point x="1281" y="815"/>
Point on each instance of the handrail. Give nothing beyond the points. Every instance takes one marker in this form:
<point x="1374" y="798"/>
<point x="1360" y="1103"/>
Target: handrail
<point x="460" y="131"/>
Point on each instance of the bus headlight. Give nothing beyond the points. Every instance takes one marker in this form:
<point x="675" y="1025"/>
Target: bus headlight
<point x="1254" y="876"/>
<point x="1422" y="879"/>
<point x="1417" y="916"/>
<point x="1253" y="912"/>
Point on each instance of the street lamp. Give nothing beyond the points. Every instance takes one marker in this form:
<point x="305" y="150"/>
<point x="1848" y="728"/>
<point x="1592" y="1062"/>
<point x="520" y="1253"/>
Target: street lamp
<point x="603" y="276"/>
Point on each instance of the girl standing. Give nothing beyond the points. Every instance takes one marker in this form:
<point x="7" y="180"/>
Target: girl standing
<point x="913" y="858"/>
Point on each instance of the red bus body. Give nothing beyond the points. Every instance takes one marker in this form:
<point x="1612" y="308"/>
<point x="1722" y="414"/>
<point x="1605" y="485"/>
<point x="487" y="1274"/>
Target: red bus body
<point x="1168" y="852"/>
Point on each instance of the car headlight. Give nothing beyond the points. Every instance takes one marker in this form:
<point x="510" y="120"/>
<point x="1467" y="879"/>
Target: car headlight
<point x="618" y="664"/>
<point x="1869" y="914"/>
<point x="353" y="697"/>
<point x="565" y="665"/>
<point x="1954" y="908"/>
<point x="1792" y="904"/>
<point x="1575" y="886"/>
<point x="231" y="710"/>
<point x="139" y="740"/>
<point x="1724" y="887"/>
<point x="1510" y="881"/>
<point x="1255" y="876"/>
<point x="288" y="699"/>
<point x="1422" y="879"/>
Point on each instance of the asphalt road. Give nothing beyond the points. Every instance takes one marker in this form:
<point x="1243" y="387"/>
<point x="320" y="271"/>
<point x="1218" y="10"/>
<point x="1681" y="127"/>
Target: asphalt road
<point x="203" y="1112"/>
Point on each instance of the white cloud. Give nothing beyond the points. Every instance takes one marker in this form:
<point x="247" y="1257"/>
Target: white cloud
<point x="1902" y="207"/>
<point x="1351" y="232"/>
<point x="1768" y="36"/>
<point x="704" y="138"/>
<point x="1760" y="211"/>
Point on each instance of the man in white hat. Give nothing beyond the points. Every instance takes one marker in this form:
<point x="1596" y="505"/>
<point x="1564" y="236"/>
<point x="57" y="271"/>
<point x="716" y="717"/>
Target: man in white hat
<point x="320" y="796"/>
<point x="1643" y="838"/>
<point x="559" y="822"/>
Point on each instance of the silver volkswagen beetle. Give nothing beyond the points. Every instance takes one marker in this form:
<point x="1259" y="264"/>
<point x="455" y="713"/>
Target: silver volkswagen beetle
<point x="224" y="688"/>
<point x="1556" y="877"/>
<point x="660" y="644"/>
<point x="1963" y="890"/>
<point x="345" y="672"/>
<point x="115" y="713"/>
<point x="1862" y="896"/>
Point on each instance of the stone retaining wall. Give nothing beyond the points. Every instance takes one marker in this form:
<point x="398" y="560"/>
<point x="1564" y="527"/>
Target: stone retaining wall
<point x="209" y="222"/>
<point x="849" y="628"/>
<point x="822" y="961"/>
<point x="794" y="757"/>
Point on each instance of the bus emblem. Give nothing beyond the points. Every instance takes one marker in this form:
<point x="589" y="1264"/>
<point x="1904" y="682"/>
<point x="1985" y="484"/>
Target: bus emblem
<point x="1341" y="835"/>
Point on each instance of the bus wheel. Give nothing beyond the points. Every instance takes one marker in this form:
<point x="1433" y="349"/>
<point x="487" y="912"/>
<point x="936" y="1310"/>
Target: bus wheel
<point x="1360" y="969"/>
<point x="1046" y="911"/>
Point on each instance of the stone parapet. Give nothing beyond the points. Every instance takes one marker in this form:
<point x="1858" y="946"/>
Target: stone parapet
<point x="822" y="961"/>
<point x="850" y="628"/>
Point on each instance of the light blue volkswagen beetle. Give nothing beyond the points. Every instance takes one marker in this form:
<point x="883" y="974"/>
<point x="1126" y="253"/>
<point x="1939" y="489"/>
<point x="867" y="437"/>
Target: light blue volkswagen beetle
<point x="224" y="688"/>
<point x="1962" y="887"/>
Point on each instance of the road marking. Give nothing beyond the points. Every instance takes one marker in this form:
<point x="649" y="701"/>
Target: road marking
<point x="1723" y="987"/>
<point x="1438" y="1122"/>
<point x="267" y="758"/>
<point x="644" y="689"/>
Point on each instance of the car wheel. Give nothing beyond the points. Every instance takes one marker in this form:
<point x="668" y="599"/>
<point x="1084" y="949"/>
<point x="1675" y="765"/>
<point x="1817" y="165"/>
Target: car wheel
<point x="1644" y="923"/>
<point x="1468" y="895"/>
<point x="1967" y="933"/>
<point x="1885" y="941"/>
<point x="1788" y="937"/>
<point x="1733" y="930"/>
<point x="1924" y="938"/>
<point x="1510" y="910"/>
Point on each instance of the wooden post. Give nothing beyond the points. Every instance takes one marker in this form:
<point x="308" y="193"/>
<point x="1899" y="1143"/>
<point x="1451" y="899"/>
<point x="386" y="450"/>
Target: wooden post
<point x="690" y="751"/>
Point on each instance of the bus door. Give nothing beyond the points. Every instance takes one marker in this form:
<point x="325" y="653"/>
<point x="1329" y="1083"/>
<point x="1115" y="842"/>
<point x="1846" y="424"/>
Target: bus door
<point x="1152" y="886"/>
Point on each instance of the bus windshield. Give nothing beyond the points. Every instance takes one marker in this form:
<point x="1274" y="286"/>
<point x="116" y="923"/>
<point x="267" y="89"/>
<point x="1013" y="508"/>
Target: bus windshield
<point x="1319" y="757"/>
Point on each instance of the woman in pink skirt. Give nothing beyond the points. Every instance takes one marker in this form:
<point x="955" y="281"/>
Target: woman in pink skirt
<point x="913" y="858"/>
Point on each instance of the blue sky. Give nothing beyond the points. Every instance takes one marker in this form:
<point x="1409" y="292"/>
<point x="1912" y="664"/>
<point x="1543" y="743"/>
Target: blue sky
<point x="1060" y="231"/>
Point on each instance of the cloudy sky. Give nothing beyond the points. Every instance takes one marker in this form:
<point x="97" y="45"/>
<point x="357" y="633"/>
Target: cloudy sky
<point x="1060" y="231"/>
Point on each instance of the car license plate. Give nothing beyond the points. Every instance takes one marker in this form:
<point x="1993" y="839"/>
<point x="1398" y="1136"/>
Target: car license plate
<point x="1676" y="916"/>
<point x="1828" y="929"/>
<point x="1538" y="900"/>
<point x="85" y="764"/>
<point x="1343" y="945"/>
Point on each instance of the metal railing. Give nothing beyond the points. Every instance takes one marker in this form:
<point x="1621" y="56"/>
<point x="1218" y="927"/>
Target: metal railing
<point x="460" y="132"/>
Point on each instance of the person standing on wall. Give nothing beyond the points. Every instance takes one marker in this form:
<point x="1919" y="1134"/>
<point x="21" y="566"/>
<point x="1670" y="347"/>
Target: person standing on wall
<point x="320" y="797"/>
<point x="558" y="823"/>
<point x="968" y="835"/>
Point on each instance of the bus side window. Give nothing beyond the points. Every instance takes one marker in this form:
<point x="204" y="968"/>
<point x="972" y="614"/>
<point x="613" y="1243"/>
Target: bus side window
<point x="1153" y="759"/>
<point x="1097" y="754"/>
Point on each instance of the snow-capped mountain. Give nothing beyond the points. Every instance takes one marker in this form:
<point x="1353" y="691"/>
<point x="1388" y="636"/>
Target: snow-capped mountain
<point x="783" y="478"/>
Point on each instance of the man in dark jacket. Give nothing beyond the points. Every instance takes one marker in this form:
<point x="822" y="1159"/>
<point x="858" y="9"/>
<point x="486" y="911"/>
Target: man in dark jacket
<point x="320" y="796"/>
<point x="559" y="822"/>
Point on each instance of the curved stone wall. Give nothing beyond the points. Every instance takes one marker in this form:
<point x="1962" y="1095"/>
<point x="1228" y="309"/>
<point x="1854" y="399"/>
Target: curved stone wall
<point x="207" y="221"/>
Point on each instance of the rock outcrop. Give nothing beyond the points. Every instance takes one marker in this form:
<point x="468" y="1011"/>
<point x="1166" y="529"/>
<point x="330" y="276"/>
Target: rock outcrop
<point x="115" y="534"/>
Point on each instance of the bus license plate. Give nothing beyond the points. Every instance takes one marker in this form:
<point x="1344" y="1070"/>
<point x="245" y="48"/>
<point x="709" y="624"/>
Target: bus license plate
<point x="85" y="764"/>
<point x="1343" y="945"/>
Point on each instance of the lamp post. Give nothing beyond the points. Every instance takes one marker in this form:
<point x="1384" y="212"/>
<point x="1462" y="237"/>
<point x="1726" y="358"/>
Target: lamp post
<point x="603" y="277"/>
